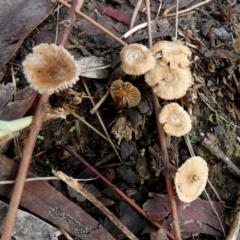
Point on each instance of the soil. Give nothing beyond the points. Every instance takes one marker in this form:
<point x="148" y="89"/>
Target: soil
<point x="213" y="103"/>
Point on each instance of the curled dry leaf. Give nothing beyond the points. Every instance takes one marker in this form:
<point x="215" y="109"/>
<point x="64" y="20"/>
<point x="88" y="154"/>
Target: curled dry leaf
<point x="169" y="83"/>
<point x="124" y="129"/>
<point x="191" y="179"/>
<point x="136" y="59"/>
<point x="125" y="94"/>
<point x="176" y="121"/>
<point x="50" y="68"/>
<point x="174" y="55"/>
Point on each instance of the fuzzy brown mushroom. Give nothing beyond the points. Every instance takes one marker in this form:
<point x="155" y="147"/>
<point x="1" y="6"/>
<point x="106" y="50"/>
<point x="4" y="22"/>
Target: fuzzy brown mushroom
<point x="176" y="121"/>
<point x="136" y="59"/>
<point x="169" y="83"/>
<point x="191" y="178"/>
<point x="50" y="68"/>
<point x="173" y="54"/>
<point x="125" y="94"/>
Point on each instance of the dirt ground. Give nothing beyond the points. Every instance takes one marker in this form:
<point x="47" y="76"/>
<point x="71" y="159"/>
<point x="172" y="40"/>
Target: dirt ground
<point x="212" y="33"/>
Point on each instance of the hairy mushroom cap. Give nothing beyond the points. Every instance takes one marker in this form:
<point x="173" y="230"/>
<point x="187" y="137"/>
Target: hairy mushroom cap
<point x="125" y="94"/>
<point x="173" y="54"/>
<point x="176" y="121"/>
<point x="191" y="179"/>
<point x="50" y="68"/>
<point x="169" y="83"/>
<point x="136" y="59"/>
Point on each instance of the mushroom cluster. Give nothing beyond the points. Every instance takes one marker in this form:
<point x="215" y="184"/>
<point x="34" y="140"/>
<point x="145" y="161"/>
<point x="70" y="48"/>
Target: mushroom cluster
<point x="50" y="68"/>
<point x="171" y="76"/>
<point x="191" y="178"/>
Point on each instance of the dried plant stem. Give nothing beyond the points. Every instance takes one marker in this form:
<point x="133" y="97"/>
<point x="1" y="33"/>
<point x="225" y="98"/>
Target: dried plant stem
<point x="23" y="169"/>
<point x="125" y="197"/>
<point x="167" y="14"/>
<point x="215" y="150"/>
<point x="27" y="152"/>
<point x="100" y="102"/>
<point x="75" y="185"/>
<point x="101" y="121"/>
<point x="136" y="9"/>
<point x="95" y="24"/>
<point x="162" y="138"/>
<point x="85" y="122"/>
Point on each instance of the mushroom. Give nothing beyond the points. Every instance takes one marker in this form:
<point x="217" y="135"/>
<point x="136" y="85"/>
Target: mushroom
<point x="176" y="121"/>
<point x="169" y="83"/>
<point x="191" y="178"/>
<point x="125" y="94"/>
<point x="50" y="68"/>
<point x="173" y="54"/>
<point x="136" y="59"/>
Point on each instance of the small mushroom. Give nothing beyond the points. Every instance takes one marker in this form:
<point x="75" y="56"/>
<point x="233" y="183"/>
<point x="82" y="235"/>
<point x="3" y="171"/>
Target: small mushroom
<point x="169" y="83"/>
<point x="50" y="68"/>
<point x="173" y="54"/>
<point x="125" y="94"/>
<point x="136" y="59"/>
<point x="176" y="121"/>
<point x="191" y="178"/>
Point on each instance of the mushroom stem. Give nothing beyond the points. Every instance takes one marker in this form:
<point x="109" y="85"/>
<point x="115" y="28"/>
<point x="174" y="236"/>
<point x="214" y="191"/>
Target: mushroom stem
<point x="27" y="153"/>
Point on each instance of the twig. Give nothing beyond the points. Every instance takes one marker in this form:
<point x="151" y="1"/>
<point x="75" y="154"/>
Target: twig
<point x="42" y="179"/>
<point x="235" y="226"/>
<point x="95" y="24"/>
<point x="135" y="13"/>
<point x="176" y="21"/>
<point x="162" y="138"/>
<point x="101" y="121"/>
<point x="27" y="154"/>
<point x="125" y="197"/>
<point x="103" y="98"/>
<point x="75" y="185"/>
<point x="215" y="150"/>
<point x="85" y="122"/>
<point x="159" y="9"/>
<point x="167" y="14"/>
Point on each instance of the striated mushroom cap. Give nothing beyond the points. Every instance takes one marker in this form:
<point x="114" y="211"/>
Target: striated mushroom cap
<point x="176" y="121"/>
<point x="125" y="94"/>
<point x="136" y="59"/>
<point x="50" y="68"/>
<point x="169" y="83"/>
<point x="191" y="178"/>
<point x="173" y="54"/>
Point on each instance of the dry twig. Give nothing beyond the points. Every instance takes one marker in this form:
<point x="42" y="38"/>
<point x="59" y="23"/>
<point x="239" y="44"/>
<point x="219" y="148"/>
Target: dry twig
<point x="75" y="185"/>
<point x="125" y="197"/>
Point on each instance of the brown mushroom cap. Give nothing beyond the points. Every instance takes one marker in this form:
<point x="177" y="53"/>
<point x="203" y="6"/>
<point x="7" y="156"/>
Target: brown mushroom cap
<point x="136" y="59"/>
<point x="173" y="54"/>
<point x="169" y="83"/>
<point x="125" y="94"/>
<point x="191" y="178"/>
<point x="50" y="68"/>
<point x="176" y="121"/>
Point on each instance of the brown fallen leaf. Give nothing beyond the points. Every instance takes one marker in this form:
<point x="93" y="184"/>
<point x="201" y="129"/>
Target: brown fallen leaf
<point x="17" y="19"/>
<point x="195" y="217"/>
<point x="46" y="202"/>
<point x="22" y="102"/>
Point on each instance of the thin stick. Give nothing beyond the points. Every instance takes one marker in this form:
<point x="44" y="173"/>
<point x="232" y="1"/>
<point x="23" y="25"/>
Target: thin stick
<point x="166" y="14"/>
<point x="159" y="9"/>
<point x="75" y="185"/>
<point x="136" y="9"/>
<point x="103" y="98"/>
<point x="107" y="182"/>
<point x="85" y="122"/>
<point x="101" y="121"/>
<point x="162" y="139"/>
<point x="27" y="155"/>
<point x="95" y="24"/>
<point x="215" y="150"/>
<point x="5" y="182"/>
<point x="176" y="21"/>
